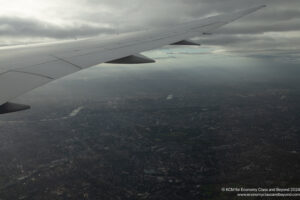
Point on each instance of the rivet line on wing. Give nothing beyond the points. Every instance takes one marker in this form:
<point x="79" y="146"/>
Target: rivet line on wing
<point x="35" y="74"/>
<point x="61" y="59"/>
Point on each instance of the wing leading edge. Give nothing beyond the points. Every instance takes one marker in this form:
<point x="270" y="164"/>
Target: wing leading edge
<point x="24" y="68"/>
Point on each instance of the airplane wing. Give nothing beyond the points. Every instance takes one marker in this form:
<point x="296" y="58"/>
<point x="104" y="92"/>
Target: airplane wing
<point x="24" y="68"/>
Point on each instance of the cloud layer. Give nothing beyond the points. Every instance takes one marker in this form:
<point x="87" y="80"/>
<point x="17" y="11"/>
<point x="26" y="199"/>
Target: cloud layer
<point x="274" y="31"/>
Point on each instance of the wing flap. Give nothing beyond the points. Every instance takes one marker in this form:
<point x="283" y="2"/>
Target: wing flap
<point x="12" y="84"/>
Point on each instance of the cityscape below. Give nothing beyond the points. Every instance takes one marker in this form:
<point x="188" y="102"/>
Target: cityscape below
<point x="168" y="130"/>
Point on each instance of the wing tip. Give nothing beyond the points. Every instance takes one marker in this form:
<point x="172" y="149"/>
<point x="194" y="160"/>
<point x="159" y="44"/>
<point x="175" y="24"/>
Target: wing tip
<point x="251" y="10"/>
<point x="258" y="7"/>
<point x="262" y="6"/>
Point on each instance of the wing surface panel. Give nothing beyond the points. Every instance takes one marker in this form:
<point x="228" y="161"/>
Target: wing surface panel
<point x="24" y="68"/>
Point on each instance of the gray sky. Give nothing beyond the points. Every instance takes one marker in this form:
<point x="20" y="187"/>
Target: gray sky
<point x="271" y="32"/>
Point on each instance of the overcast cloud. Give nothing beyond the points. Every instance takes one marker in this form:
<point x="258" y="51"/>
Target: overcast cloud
<point x="274" y="31"/>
